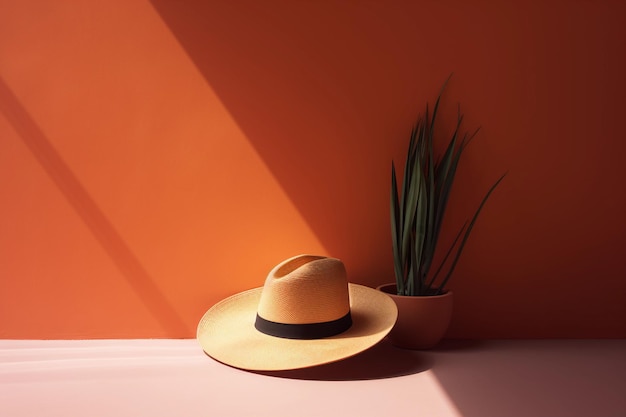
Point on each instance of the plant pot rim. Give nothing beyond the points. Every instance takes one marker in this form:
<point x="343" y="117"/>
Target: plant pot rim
<point x="380" y="288"/>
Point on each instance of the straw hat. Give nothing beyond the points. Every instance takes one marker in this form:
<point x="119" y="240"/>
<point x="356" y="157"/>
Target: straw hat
<point x="306" y="314"/>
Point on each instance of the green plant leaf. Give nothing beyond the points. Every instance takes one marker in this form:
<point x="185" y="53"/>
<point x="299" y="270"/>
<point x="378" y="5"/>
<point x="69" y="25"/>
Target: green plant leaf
<point x="434" y="117"/>
<point x="395" y="229"/>
<point x="445" y="258"/>
<point x="468" y="231"/>
<point x="420" y="227"/>
<point x="411" y="208"/>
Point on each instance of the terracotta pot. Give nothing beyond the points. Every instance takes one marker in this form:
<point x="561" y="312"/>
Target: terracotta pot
<point x="422" y="320"/>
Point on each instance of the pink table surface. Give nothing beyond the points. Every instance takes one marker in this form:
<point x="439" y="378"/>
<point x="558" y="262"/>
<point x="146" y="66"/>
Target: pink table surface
<point x="175" y="378"/>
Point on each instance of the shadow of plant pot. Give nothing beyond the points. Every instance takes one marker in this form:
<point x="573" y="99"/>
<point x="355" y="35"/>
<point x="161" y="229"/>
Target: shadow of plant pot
<point x="422" y="320"/>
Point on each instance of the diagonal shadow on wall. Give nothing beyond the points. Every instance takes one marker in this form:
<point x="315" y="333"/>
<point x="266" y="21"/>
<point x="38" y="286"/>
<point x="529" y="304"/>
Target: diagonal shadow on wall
<point x="80" y="200"/>
<point x="295" y="90"/>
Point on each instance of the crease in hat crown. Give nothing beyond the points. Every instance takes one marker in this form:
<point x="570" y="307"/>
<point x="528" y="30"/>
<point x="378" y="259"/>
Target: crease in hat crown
<point x="305" y="289"/>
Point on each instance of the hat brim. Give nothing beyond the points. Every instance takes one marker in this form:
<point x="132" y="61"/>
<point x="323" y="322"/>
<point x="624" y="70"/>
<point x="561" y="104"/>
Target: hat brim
<point x="226" y="332"/>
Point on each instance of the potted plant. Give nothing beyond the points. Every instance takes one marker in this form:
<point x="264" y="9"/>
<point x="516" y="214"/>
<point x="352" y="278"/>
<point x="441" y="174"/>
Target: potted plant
<point x="417" y="214"/>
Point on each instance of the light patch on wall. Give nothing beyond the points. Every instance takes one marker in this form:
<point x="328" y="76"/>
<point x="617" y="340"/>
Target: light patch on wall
<point x="147" y="157"/>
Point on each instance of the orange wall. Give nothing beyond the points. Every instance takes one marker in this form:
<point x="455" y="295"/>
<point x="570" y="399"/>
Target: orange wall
<point x="159" y="156"/>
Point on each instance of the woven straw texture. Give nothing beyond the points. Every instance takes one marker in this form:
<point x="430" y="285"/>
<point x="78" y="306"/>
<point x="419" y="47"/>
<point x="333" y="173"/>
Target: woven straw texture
<point x="226" y="332"/>
<point x="305" y="289"/>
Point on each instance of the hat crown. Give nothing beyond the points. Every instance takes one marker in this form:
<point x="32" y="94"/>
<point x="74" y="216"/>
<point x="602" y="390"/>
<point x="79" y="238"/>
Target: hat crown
<point x="305" y="289"/>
